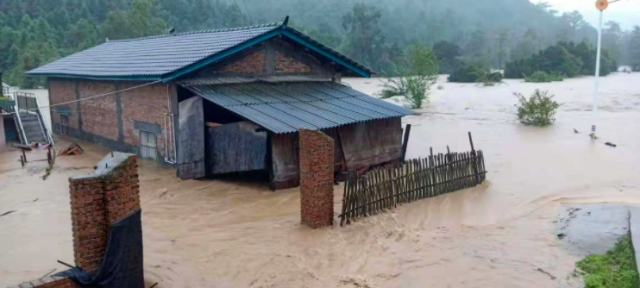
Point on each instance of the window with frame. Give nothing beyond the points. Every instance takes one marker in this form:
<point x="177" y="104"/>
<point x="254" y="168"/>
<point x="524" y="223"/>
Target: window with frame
<point x="64" y="124"/>
<point x="148" y="145"/>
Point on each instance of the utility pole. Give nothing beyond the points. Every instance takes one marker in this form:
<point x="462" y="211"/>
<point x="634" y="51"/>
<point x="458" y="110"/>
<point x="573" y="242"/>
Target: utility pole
<point x="600" y="5"/>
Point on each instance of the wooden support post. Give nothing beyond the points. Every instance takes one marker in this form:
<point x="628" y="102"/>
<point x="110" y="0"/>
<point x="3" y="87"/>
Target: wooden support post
<point x="475" y="159"/>
<point x="49" y="158"/>
<point x="24" y="156"/>
<point x="21" y="160"/>
<point x="405" y="143"/>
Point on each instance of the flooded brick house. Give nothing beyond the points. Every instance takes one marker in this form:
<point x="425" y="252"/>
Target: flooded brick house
<point x="222" y="101"/>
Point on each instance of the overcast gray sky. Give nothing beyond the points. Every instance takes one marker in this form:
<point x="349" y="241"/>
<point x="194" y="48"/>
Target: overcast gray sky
<point x="625" y="12"/>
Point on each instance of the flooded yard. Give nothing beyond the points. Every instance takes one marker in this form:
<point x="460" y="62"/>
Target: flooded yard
<point x="236" y="234"/>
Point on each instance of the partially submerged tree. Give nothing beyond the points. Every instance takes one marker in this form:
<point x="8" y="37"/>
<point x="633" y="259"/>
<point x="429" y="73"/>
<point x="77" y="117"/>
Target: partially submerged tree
<point x="419" y="73"/>
<point x="538" y="110"/>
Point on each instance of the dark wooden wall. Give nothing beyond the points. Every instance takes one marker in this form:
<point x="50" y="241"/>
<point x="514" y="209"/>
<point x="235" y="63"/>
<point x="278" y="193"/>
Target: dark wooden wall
<point x="235" y="147"/>
<point x="370" y="143"/>
<point x="191" y="141"/>
<point x="357" y="146"/>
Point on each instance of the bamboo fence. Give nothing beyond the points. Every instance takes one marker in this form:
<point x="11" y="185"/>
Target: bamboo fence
<point x="386" y="187"/>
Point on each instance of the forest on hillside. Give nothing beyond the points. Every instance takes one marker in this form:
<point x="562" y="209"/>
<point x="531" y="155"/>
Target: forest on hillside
<point x="376" y="32"/>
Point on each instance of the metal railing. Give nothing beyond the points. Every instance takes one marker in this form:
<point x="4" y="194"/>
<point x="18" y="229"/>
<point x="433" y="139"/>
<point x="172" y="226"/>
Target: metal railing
<point x="29" y="103"/>
<point x="45" y="131"/>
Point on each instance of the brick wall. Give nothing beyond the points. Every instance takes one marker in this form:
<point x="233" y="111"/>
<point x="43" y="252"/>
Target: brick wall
<point x="316" y="178"/>
<point x="61" y="91"/>
<point x="286" y="64"/>
<point x="109" y="194"/>
<point x="99" y="115"/>
<point x="98" y="119"/>
<point x="48" y="282"/>
<point x="254" y="63"/>
<point x="149" y="104"/>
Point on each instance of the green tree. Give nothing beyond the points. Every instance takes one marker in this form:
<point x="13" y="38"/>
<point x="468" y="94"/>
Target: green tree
<point x="448" y="55"/>
<point x="139" y="21"/>
<point x="419" y="73"/>
<point x="364" y="38"/>
<point x="634" y="49"/>
<point x="502" y="49"/>
<point x="611" y="39"/>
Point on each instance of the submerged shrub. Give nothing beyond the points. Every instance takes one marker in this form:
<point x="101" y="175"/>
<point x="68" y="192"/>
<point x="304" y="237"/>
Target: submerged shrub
<point x="414" y="89"/>
<point x="541" y="77"/>
<point x="465" y="73"/>
<point x="538" y="110"/>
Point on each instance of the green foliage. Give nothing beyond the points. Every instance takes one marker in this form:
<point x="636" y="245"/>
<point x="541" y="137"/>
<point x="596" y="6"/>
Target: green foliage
<point x="538" y="110"/>
<point x="542" y="77"/>
<point x="34" y="34"/>
<point x="465" y="73"/>
<point x="139" y="21"/>
<point x="448" y="55"/>
<point x="470" y="73"/>
<point x="421" y="61"/>
<point x="634" y="49"/>
<point x="486" y="77"/>
<point x="565" y="58"/>
<point x="364" y="37"/>
<point x="615" y="269"/>
<point x="5" y="98"/>
<point x="419" y="73"/>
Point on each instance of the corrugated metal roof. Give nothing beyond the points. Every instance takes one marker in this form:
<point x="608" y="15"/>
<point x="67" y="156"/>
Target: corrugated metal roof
<point x="287" y="107"/>
<point x="166" y="57"/>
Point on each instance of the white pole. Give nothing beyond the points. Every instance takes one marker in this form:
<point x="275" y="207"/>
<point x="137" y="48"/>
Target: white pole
<point x="597" y="84"/>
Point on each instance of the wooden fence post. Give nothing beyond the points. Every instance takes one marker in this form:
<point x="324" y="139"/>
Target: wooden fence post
<point x="405" y="143"/>
<point x="475" y="159"/>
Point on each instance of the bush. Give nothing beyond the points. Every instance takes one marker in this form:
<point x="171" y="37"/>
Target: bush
<point x="615" y="269"/>
<point x="541" y="77"/>
<point x="465" y="74"/>
<point x="414" y="89"/>
<point x="538" y="110"/>
<point x="487" y="77"/>
<point x="468" y="73"/>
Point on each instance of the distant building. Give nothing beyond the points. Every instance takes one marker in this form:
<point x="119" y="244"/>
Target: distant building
<point x="222" y="101"/>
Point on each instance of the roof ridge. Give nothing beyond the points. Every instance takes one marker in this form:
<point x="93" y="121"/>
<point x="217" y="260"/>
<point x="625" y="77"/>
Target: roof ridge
<point x="272" y="24"/>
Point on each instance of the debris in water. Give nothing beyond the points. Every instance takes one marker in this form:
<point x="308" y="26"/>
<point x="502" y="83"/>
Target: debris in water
<point x="575" y="131"/>
<point x="36" y="200"/>
<point x="561" y="236"/>
<point x="73" y="149"/>
<point x="610" y="144"/>
<point x="356" y="282"/>
<point x="545" y="272"/>
<point x="7" y="213"/>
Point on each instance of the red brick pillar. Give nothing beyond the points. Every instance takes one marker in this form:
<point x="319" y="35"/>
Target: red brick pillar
<point x="107" y="195"/>
<point x="316" y="178"/>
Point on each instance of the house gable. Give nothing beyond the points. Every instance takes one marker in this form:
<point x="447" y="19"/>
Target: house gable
<point x="274" y="57"/>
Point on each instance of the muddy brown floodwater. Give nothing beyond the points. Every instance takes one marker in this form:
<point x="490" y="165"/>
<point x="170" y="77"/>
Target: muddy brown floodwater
<point x="234" y="234"/>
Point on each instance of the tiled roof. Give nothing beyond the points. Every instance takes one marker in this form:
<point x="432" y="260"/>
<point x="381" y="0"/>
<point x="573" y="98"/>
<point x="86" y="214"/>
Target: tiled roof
<point x="151" y="56"/>
<point x="166" y="57"/>
<point x="287" y="107"/>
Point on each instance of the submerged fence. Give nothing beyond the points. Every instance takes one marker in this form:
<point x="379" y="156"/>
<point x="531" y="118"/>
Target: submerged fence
<point x="386" y="187"/>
